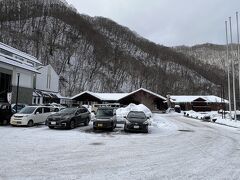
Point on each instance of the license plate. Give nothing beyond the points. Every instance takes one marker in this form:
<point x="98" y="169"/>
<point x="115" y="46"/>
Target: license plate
<point x="100" y="125"/>
<point x="53" y="123"/>
<point x="136" y="127"/>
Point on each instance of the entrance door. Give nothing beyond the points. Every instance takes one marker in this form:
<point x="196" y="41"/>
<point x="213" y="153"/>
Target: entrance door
<point x="5" y="86"/>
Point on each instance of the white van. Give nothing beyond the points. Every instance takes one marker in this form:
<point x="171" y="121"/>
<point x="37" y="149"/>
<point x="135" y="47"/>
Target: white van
<point x="31" y="115"/>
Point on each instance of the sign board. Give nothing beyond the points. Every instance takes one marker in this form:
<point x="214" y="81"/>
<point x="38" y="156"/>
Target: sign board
<point x="9" y="97"/>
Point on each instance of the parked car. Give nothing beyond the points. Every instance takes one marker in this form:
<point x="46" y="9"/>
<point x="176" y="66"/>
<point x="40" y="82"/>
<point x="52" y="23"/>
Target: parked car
<point x="18" y="107"/>
<point x="177" y="108"/>
<point x="136" y="121"/>
<point x="113" y="105"/>
<point x="31" y="115"/>
<point x="206" y="118"/>
<point x="105" y="118"/>
<point x="57" y="109"/>
<point x="69" y="118"/>
<point x="5" y="113"/>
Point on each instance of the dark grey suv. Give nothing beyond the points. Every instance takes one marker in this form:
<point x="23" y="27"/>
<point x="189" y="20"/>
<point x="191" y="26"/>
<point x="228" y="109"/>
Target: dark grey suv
<point x="105" y="119"/>
<point x="69" y="118"/>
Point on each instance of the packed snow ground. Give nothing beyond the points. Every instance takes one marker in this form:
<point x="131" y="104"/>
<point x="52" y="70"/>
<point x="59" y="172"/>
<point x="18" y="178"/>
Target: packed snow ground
<point x="175" y="148"/>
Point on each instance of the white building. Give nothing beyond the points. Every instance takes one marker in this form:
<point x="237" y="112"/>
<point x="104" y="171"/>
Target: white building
<point x="15" y="65"/>
<point x="46" y="86"/>
<point x="38" y="84"/>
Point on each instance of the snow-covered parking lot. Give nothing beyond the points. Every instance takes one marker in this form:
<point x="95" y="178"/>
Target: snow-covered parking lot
<point x="175" y="148"/>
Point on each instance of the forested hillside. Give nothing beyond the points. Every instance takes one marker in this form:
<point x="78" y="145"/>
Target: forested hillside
<point x="97" y="54"/>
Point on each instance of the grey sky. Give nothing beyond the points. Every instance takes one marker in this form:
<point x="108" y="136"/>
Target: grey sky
<point x="167" y="22"/>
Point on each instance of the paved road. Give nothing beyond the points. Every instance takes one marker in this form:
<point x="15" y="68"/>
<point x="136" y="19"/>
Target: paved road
<point x="175" y="148"/>
<point x="204" y="150"/>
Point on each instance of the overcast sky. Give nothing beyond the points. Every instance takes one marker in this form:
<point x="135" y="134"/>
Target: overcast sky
<point x="167" y="22"/>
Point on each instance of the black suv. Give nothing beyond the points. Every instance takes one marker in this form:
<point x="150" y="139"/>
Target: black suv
<point x="5" y="113"/>
<point x="69" y="118"/>
<point x="105" y="118"/>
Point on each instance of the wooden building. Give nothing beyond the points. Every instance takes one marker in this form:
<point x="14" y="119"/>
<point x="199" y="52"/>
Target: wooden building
<point x="141" y="96"/>
<point x="199" y="103"/>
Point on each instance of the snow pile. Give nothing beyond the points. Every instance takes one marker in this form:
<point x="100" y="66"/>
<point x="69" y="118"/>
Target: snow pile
<point x="121" y="112"/>
<point x="197" y="115"/>
<point x="170" y="110"/>
<point x="228" y="122"/>
<point x="214" y="116"/>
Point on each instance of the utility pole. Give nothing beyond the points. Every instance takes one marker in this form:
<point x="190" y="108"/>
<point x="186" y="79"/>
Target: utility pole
<point x="233" y="70"/>
<point x="238" y="57"/>
<point x="228" y="71"/>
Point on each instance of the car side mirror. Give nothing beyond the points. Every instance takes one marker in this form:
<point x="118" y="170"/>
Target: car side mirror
<point x="37" y="113"/>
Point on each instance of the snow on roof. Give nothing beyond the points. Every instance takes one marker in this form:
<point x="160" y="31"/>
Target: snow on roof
<point x="187" y="98"/>
<point x="115" y="96"/>
<point x="20" y="53"/>
<point x="17" y="64"/>
<point x="110" y="96"/>
<point x="104" y="96"/>
<point x="40" y="93"/>
<point x="62" y="97"/>
<point x="150" y="92"/>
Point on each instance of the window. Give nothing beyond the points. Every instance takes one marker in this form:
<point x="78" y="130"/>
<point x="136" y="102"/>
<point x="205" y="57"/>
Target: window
<point x="30" y="62"/>
<point x="46" y="110"/>
<point x="8" y="53"/>
<point x="78" y="112"/>
<point x="56" y="110"/>
<point x="83" y="110"/>
<point x="34" y="81"/>
<point x="39" y="110"/>
<point x="5" y="107"/>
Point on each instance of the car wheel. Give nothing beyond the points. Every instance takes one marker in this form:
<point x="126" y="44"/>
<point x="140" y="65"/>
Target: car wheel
<point x="111" y="128"/>
<point x="51" y="127"/>
<point x="30" y="123"/>
<point x="71" y="124"/>
<point x="5" y="122"/>
<point x="86" y="122"/>
<point x="146" y="131"/>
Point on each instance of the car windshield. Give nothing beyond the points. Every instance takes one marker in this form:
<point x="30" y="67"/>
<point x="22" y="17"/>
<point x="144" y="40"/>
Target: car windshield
<point x="139" y="115"/>
<point x="104" y="113"/>
<point x="27" y="110"/>
<point x="68" y="111"/>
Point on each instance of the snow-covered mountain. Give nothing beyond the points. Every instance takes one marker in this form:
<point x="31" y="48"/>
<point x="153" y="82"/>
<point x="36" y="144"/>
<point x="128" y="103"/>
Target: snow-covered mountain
<point x="209" y="54"/>
<point x="97" y="54"/>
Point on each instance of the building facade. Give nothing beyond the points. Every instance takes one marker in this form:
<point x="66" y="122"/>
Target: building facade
<point x="37" y="84"/>
<point x="46" y="86"/>
<point x="150" y="99"/>
<point x="17" y="69"/>
<point x="199" y="103"/>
